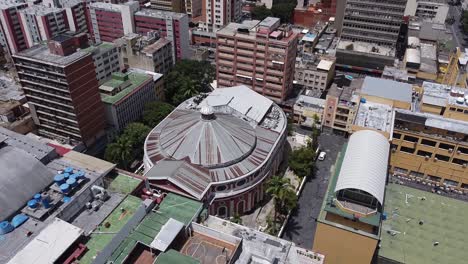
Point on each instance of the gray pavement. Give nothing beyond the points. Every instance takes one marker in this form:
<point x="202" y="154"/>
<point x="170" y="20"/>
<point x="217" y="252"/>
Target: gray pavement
<point x="301" y="226"/>
<point x="458" y="35"/>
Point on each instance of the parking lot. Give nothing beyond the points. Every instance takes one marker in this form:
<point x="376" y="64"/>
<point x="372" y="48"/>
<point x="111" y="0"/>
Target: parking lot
<point x="301" y="226"/>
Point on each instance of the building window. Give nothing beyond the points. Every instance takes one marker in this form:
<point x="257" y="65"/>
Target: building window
<point x="407" y="150"/>
<point x="459" y="161"/>
<point x="434" y="178"/>
<point x="446" y="146"/>
<point x="428" y="142"/>
<point x="400" y="170"/>
<point x="451" y="183"/>
<point x="442" y="157"/>
<point x="222" y="211"/>
<point x="464" y="185"/>
<point x="221" y="188"/>
<point x="240" y="207"/>
<point x="463" y="150"/>
<point x="396" y="135"/>
<point x="416" y="174"/>
<point x="424" y="153"/>
<point x="410" y="138"/>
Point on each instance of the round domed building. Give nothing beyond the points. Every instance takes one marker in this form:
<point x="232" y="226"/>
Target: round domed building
<point x="220" y="148"/>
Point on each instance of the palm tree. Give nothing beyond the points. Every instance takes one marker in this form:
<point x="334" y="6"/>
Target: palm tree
<point x="120" y="152"/>
<point x="280" y="189"/>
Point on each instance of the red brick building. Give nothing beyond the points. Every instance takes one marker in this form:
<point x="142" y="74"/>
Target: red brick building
<point x="309" y="16"/>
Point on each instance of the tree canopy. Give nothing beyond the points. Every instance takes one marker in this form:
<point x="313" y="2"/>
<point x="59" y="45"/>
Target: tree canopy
<point x="284" y="196"/>
<point x="188" y="78"/>
<point x="155" y="112"/>
<point x="282" y="9"/>
<point x="301" y="161"/>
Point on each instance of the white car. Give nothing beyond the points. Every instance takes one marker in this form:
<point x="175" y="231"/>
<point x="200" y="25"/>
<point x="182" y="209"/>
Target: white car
<point x="322" y="155"/>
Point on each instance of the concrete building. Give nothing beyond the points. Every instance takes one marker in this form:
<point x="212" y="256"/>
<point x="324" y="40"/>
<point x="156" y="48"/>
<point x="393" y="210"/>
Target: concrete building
<point x="193" y="8"/>
<point x="177" y="6"/>
<point x="12" y="37"/>
<point x="150" y="53"/>
<point x="307" y="108"/>
<point x="112" y="21"/>
<point x="124" y="98"/>
<point x="106" y="57"/>
<point x="62" y="90"/>
<point x="172" y="26"/>
<point x="219" y="13"/>
<point x="40" y="23"/>
<point x="434" y="11"/>
<point x="314" y="73"/>
<point x="158" y="81"/>
<point x="220" y="149"/>
<point x="369" y="32"/>
<point x="308" y="13"/>
<point x="353" y="204"/>
<point x="258" y="54"/>
<point x="76" y="15"/>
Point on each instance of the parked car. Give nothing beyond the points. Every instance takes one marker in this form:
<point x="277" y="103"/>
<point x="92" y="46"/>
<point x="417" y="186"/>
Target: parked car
<point x="322" y="155"/>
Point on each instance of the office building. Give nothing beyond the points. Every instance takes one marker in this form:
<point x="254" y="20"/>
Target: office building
<point x="168" y="5"/>
<point x="172" y="26"/>
<point x="218" y="14"/>
<point x="12" y="37"/>
<point x="106" y="57"/>
<point x="40" y="23"/>
<point x="258" y="54"/>
<point x="112" y="21"/>
<point x="193" y="8"/>
<point x="124" y="97"/>
<point x="434" y="11"/>
<point x="314" y="73"/>
<point x="150" y="53"/>
<point x="62" y="90"/>
<point x="76" y="15"/>
<point x="307" y="15"/>
<point x="221" y="148"/>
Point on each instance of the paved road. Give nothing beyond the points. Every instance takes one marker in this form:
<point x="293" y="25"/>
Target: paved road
<point x="301" y="226"/>
<point x="455" y="12"/>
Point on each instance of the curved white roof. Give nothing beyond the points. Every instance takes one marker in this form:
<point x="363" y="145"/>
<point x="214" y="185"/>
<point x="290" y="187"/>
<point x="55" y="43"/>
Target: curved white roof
<point x="365" y="164"/>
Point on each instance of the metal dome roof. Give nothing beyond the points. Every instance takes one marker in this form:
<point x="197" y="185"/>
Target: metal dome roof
<point x="221" y="141"/>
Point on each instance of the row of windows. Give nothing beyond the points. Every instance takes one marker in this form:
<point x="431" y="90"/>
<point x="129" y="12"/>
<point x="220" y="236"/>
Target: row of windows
<point x="427" y="154"/>
<point x="429" y="177"/>
<point x="430" y="143"/>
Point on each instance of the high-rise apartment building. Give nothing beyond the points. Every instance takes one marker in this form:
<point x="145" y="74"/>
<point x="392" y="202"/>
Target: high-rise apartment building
<point x="435" y="11"/>
<point x="62" y="90"/>
<point x="111" y="21"/>
<point x="40" y="23"/>
<point x="258" y="54"/>
<point x="76" y="15"/>
<point x="12" y="38"/>
<point x="170" y="25"/>
<point x="193" y="8"/>
<point x="219" y="13"/>
<point x="106" y="57"/>
<point x="168" y="5"/>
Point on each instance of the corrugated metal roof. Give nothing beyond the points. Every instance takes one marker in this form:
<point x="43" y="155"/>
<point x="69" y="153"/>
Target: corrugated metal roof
<point x="49" y="245"/>
<point x="22" y="176"/>
<point x="387" y="89"/>
<point x="167" y="234"/>
<point x="365" y="164"/>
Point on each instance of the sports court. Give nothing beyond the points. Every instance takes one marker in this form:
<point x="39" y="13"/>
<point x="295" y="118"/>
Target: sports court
<point x="208" y="250"/>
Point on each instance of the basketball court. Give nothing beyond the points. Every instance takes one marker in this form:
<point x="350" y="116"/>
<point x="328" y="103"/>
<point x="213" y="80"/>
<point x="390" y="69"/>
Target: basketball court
<point x="208" y="250"/>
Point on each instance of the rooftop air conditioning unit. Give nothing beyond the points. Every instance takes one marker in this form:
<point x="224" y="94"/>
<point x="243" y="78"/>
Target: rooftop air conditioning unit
<point x="450" y="150"/>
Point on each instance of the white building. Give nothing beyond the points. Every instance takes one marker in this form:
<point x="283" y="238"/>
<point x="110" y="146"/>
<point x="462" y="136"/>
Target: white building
<point x="219" y="13"/>
<point x="429" y="10"/>
<point x="106" y="59"/>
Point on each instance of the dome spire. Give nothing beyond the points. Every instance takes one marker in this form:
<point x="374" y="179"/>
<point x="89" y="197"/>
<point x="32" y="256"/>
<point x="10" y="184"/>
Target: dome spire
<point x="207" y="112"/>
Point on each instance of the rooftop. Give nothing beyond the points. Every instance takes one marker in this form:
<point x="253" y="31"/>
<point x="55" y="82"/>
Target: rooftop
<point x="49" y="245"/>
<point x="5" y="4"/>
<point x="41" y="53"/>
<point x="102" y="47"/>
<point x="429" y="31"/>
<point x="117" y="220"/>
<point x="41" y="10"/>
<point x="365" y="47"/>
<point x="443" y="95"/>
<point x="111" y="7"/>
<point x="375" y="116"/>
<point x="9" y="89"/>
<point x="387" y="89"/>
<point x="156" y="76"/>
<point x="119" y="81"/>
<point x="395" y="73"/>
<point x="154" y="47"/>
<point x="172" y="256"/>
<point x="31" y="146"/>
<point x="405" y="240"/>
<point x="159" y="14"/>
<point x="432" y="120"/>
<point x="123" y="184"/>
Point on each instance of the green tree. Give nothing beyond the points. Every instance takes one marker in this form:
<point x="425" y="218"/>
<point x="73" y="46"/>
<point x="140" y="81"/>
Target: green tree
<point x="188" y="78"/>
<point x="282" y="192"/>
<point x="136" y="134"/>
<point x="120" y="152"/>
<point x="301" y="161"/>
<point x="261" y="12"/>
<point x="155" y="112"/>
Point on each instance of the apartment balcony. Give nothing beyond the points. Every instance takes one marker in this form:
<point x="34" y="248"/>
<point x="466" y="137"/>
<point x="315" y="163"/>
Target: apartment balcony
<point x="375" y="3"/>
<point x="39" y="68"/>
<point x="374" y="9"/>
<point x="369" y="23"/>
<point x="245" y="52"/>
<point x="226" y="49"/>
<point x="225" y="56"/>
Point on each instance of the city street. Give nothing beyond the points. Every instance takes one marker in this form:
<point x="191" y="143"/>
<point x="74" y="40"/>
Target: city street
<point x="301" y="226"/>
<point x="456" y="13"/>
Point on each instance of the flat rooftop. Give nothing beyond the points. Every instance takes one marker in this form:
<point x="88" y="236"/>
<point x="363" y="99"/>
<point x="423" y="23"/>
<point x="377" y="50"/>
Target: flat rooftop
<point x="207" y="249"/>
<point x="41" y="53"/>
<point x="432" y="120"/>
<point x="364" y="47"/>
<point x="135" y="80"/>
<point x="387" y="89"/>
<point x="102" y="47"/>
<point x="9" y="89"/>
<point x="5" y="4"/>
<point x="33" y="147"/>
<point x="41" y="10"/>
<point x="159" y="14"/>
<point x="102" y="235"/>
<point x="375" y="116"/>
<point x="123" y="184"/>
<point x="405" y="240"/>
<point x="441" y="95"/>
<point x="152" y="48"/>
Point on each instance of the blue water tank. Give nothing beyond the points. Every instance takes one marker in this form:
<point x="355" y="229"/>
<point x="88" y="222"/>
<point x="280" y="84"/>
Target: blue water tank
<point x="19" y="219"/>
<point x="363" y="100"/>
<point x="59" y="179"/>
<point x="66" y="199"/>
<point x="5" y="227"/>
<point x="72" y="182"/>
<point x="66" y="175"/>
<point x="384" y="216"/>
<point x="80" y="175"/>
<point x="68" y="170"/>
<point x="37" y="197"/>
<point x="32" y="204"/>
<point x="64" y="188"/>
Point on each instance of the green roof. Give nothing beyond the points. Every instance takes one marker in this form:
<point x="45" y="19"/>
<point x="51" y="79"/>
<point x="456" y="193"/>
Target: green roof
<point x="173" y="206"/>
<point x="117" y="220"/>
<point x="373" y="220"/>
<point x="136" y="79"/>
<point x="123" y="184"/>
<point x="103" y="45"/>
<point x="172" y="256"/>
<point x="444" y="221"/>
